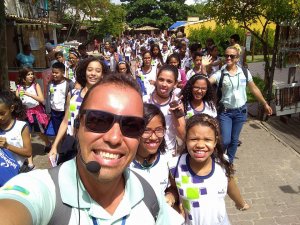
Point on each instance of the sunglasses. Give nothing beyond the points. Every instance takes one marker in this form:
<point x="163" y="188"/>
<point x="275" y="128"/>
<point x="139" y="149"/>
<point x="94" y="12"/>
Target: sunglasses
<point x="230" y="56"/>
<point x="99" y="121"/>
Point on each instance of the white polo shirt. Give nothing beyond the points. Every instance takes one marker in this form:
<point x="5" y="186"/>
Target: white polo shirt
<point x="36" y="191"/>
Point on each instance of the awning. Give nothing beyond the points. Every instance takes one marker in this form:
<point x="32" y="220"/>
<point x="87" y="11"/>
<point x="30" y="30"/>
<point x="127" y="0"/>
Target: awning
<point x="177" y="25"/>
<point x="146" y="28"/>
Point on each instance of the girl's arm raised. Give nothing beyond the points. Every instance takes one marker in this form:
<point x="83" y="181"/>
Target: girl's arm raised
<point x="234" y="193"/>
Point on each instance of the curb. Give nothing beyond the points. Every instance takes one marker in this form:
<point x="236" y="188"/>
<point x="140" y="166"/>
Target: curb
<point x="268" y="128"/>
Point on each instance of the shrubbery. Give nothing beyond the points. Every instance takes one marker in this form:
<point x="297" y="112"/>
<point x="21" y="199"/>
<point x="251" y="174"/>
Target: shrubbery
<point x="221" y="36"/>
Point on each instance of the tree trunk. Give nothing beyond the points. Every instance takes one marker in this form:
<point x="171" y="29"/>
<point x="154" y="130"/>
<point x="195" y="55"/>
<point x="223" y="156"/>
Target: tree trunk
<point x="4" y="84"/>
<point x="273" y="64"/>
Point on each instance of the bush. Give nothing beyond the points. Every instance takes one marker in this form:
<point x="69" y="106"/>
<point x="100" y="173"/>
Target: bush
<point x="221" y="36"/>
<point x="260" y="84"/>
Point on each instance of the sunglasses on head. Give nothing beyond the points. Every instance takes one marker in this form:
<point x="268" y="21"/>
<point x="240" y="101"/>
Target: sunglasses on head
<point x="230" y="56"/>
<point x="99" y="121"/>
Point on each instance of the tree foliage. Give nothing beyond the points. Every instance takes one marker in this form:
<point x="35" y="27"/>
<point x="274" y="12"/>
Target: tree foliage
<point x="159" y="14"/>
<point x="112" y="22"/>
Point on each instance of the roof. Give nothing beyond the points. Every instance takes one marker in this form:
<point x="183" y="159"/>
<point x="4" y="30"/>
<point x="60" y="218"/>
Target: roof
<point x="146" y="28"/>
<point x="176" y="25"/>
<point x="32" y="21"/>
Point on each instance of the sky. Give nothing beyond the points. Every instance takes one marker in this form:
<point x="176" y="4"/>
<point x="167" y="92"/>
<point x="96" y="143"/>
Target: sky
<point x="189" y="2"/>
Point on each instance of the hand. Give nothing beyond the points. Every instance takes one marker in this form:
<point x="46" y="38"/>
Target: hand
<point x="52" y="152"/>
<point x="3" y="143"/>
<point x="268" y="109"/>
<point x="152" y="82"/>
<point x="206" y="60"/>
<point x="170" y="199"/>
<point x="244" y="207"/>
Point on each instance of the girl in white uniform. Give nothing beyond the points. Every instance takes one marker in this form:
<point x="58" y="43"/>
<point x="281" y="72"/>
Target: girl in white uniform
<point x="14" y="134"/>
<point x="203" y="176"/>
<point x="150" y="160"/>
<point x="162" y="97"/>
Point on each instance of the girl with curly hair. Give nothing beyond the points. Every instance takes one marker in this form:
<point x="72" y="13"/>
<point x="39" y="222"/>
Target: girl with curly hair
<point x="198" y="96"/>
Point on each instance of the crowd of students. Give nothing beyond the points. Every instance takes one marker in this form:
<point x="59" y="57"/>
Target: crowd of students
<point x="188" y="143"/>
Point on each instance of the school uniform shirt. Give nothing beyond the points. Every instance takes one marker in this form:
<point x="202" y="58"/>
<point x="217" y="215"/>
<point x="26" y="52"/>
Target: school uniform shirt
<point x="157" y="173"/>
<point x="233" y="88"/>
<point x="36" y="191"/>
<point x="190" y="73"/>
<point x="165" y="55"/>
<point x="14" y="137"/>
<point x="58" y="96"/>
<point x="26" y="100"/>
<point x="75" y="103"/>
<point x="207" y="110"/>
<point x="146" y="77"/>
<point x="202" y="197"/>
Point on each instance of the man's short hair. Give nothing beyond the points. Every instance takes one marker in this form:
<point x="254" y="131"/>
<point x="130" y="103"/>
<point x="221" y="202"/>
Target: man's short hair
<point x="59" y="65"/>
<point x="58" y="54"/>
<point x="114" y="78"/>
<point x="81" y="47"/>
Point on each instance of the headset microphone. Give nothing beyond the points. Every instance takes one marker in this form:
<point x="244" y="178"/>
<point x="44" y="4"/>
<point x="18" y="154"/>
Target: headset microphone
<point x="92" y="166"/>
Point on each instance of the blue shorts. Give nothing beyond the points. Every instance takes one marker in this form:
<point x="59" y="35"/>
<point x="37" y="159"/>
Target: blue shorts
<point x="56" y="119"/>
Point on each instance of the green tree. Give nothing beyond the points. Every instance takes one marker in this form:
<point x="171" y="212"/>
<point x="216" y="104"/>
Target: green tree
<point x="160" y="14"/>
<point x="112" y="22"/>
<point x="251" y="11"/>
<point x="81" y="10"/>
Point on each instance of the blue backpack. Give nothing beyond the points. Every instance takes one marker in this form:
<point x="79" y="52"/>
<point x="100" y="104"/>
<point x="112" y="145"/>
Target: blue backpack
<point x="9" y="167"/>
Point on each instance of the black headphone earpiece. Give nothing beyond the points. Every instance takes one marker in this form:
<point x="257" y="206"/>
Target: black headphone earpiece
<point x="76" y="123"/>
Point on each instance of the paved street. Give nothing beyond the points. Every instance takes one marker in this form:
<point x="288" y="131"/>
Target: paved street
<point x="268" y="174"/>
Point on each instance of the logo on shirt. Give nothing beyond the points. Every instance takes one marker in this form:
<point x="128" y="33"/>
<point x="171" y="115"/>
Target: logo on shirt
<point x="16" y="188"/>
<point x="221" y="192"/>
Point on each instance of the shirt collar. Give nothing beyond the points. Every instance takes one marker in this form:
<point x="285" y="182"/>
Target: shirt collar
<point x="68" y="187"/>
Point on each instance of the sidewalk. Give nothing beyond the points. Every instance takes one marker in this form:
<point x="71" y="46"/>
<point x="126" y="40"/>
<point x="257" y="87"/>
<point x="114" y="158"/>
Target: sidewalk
<point x="268" y="174"/>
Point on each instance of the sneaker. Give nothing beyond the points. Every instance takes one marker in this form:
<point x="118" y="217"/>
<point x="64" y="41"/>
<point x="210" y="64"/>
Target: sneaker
<point x="47" y="148"/>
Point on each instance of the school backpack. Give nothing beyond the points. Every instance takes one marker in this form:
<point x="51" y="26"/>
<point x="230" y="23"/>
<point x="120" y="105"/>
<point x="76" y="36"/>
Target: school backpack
<point x="62" y="211"/>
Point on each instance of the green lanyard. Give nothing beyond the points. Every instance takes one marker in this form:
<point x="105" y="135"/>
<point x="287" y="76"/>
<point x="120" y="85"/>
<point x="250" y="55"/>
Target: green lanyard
<point x="238" y="82"/>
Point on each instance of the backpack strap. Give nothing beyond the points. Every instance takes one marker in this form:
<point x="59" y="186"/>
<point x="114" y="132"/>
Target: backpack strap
<point x="245" y="71"/>
<point x="62" y="211"/>
<point x="150" y="198"/>
<point x="220" y="85"/>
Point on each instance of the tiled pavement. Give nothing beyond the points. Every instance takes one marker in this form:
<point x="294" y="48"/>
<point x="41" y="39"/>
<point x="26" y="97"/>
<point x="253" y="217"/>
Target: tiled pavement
<point x="268" y="174"/>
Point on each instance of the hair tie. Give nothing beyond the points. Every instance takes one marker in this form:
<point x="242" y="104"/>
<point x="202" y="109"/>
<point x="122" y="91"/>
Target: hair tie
<point x="74" y="53"/>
